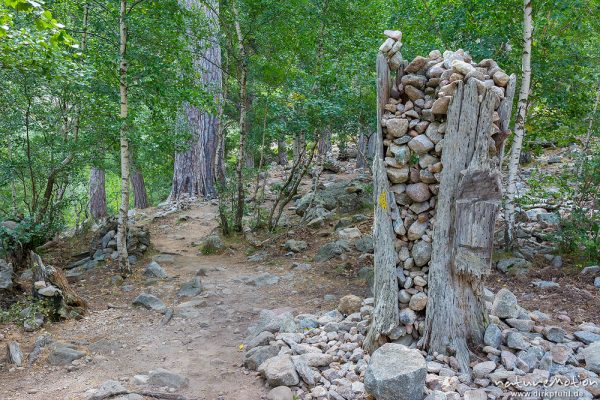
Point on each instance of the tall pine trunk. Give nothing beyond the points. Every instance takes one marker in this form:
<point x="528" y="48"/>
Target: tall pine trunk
<point x="97" y="193"/>
<point x="124" y="207"/>
<point x="140" y="198"/>
<point x="281" y="151"/>
<point x="515" y="154"/>
<point x="197" y="169"/>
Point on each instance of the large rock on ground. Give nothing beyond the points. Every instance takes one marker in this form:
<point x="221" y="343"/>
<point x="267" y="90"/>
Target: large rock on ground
<point x="350" y="304"/>
<point x="150" y="302"/>
<point x="258" y="355"/>
<point x="331" y="250"/>
<point x="505" y="304"/>
<point x="163" y="377"/>
<point x="64" y="355"/>
<point x="280" y="393"/>
<point x="6" y="272"/>
<point x="592" y="357"/>
<point x="154" y="270"/>
<point x="191" y="288"/>
<point x="396" y="372"/>
<point x="279" y="371"/>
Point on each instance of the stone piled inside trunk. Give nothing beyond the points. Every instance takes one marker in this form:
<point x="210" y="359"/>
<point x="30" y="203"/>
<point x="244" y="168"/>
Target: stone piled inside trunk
<point x="413" y="125"/>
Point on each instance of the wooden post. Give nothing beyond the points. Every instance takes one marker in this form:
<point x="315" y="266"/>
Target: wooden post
<point x="385" y="314"/>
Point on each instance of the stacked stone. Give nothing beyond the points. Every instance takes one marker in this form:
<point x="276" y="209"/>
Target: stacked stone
<point x="413" y="124"/>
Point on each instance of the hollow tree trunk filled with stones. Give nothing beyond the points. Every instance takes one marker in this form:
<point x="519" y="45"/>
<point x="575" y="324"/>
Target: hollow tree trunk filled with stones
<point x="443" y="122"/>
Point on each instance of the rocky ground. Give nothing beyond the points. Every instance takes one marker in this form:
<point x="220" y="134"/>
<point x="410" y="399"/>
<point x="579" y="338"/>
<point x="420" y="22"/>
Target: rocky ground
<point x="288" y="318"/>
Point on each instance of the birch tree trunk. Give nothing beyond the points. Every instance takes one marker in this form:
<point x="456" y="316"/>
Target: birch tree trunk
<point x="515" y="154"/>
<point x="243" y="76"/>
<point x="124" y="207"/>
<point x="196" y="169"/>
<point x="385" y="314"/>
<point x="281" y="151"/>
<point x="97" y="194"/>
<point x="140" y="197"/>
<point x="468" y="202"/>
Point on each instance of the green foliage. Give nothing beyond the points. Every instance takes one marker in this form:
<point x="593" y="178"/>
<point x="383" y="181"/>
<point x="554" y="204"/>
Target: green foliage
<point x="579" y="233"/>
<point x="26" y="309"/>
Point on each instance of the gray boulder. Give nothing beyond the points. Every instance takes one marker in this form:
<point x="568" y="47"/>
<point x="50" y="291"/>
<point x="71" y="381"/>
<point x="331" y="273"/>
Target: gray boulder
<point x="505" y="304"/>
<point x="331" y="250"/>
<point x="295" y="246"/>
<point x="154" y="270"/>
<point x="513" y="265"/>
<point x="279" y="371"/>
<point x="149" y="302"/>
<point x="492" y="336"/>
<point x="191" y="288"/>
<point x="163" y="377"/>
<point x="260" y="280"/>
<point x="280" y="393"/>
<point x="64" y="355"/>
<point x="365" y="244"/>
<point x="258" y="355"/>
<point x="396" y="372"/>
<point x="587" y="337"/>
<point x="554" y="334"/>
<point x="262" y="339"/>
<point x="6" y="272"/>
<point x="421" y="253"/>
<point x="15" y="356"/>
<point x="592" y="357"/>
<point x="107" y="390"/>
<point x="516" y="340"/>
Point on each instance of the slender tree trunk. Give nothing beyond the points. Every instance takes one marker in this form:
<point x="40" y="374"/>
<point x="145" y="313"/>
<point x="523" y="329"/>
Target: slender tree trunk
<point x="325" y="144"/>
<point x="196" y="169"/>
<point x="97" y="194"/>
<point x="140" y="198"/>
<point x="124" y="207"/>
<point x="385" y="314"/>
<point x="365" y="150"/>
<point x="13" y="185"/>
<point x="243" y="119"/>
<point x="515" y="154"/>
<point x="299" y="145"/>
<point x="281" y="151"/>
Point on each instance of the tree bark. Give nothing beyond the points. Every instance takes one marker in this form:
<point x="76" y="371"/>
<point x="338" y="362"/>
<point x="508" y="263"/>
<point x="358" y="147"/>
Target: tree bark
<point x="468" y="202"/>
<point x="385" y="314"/>
<point x="140" y="198"/>
<point x="196" y="169"/>
<point x="281" y="151"/>
<point x="515" y="154"/>
<point x="243" y="76"/>
<point x="299" y="145"/>
<point x="365" y="150"/>
<point x="97" y="194"/>
<point x="324" y="144"/>
<point x="124" y="206"/>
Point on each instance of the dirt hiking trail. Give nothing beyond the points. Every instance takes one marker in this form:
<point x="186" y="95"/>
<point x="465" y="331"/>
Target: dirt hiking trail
<point x="201" y="341"/>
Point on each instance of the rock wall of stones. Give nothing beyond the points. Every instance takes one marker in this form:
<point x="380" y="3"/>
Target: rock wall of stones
<point x="414" y="124"/>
